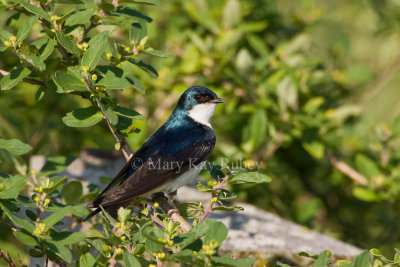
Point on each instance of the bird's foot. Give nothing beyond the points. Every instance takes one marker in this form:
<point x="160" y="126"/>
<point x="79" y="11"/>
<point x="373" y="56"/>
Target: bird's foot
<point x="173" y="211"/>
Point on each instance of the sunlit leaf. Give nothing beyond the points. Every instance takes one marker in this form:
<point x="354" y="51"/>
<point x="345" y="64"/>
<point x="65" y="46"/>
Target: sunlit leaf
<point x="16" y="75"/>
<point x="83" y="117"/>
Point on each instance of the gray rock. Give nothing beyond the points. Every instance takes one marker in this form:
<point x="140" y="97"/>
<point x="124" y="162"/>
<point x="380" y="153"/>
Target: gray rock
<point x="253" y="231"/>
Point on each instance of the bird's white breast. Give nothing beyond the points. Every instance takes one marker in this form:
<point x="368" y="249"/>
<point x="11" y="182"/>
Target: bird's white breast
<point x="185" y="178"/>
<point x="202" y="113"/>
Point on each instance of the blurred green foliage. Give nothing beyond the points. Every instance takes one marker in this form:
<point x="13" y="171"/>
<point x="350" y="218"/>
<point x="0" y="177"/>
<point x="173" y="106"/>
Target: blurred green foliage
<point x="306" y="83"/>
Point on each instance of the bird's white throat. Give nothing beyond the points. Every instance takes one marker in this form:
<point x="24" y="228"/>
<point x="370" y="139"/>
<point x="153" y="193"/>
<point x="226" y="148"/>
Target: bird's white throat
<point x="202" y="113"/>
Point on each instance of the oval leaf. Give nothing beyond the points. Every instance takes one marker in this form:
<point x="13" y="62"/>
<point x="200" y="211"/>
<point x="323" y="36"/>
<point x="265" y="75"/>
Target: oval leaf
<point x="250" y="178"/>
<point x="83" y="117"/>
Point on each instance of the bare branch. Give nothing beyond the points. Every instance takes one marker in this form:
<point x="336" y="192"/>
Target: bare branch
<point x="3" y="72"/>
<point x="347" y="170"/>
<point x="126" y="150"/>
<point x="169" y="210"/>
<point x="275" y="147"/>
<point x="7" y="258"/>
<point x="33" y="81"/>
<point x="221" y="184"/>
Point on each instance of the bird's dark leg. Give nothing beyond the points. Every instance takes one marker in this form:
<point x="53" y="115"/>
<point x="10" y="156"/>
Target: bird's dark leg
<point x="166" y="202"/>
<point x="172" y="196"/>
<point x="162" y="200"/>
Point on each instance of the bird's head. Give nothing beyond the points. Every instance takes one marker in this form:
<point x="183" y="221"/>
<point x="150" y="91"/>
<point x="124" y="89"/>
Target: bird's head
<point x="199" y="103"/>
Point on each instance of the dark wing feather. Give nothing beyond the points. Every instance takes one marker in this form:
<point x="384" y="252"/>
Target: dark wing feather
<point x="154" y="174"/>
<point x="122" y="174"/>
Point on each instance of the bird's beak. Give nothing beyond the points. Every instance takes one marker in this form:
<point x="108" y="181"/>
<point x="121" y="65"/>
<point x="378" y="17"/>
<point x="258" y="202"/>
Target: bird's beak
<point x="217" y="100"/>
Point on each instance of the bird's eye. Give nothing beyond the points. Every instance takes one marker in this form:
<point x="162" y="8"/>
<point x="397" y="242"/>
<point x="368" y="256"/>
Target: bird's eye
<point x="197" y="96"/>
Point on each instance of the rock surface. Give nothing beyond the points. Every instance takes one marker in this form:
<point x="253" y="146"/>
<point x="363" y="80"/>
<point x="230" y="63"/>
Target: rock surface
<point x="251" y="232"/>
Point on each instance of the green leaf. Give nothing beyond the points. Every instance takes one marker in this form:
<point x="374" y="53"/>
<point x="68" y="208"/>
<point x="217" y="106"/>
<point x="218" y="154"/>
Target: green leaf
<point x="152" y="246"/>
<point x="227" y="260"/>
<point x="138" y="32"/>
<point x="363" y="260"/>
<point x="72" y="193"/>
<point x="150" y="2"/>
<point x="250" y="178"/>
<point x="67" y="43"/>
<point x="123" y="214"/>
<point x="135" y="82"/>
<point x="112" y="82"/>
<point x="26" y="238"/>
<point x="56" y="165"/>
<point x="35" y="61"/>
<point x="225" y="195"/>
<point x="215" y="171"/>
<point x="367" y="194"/>
<point x="366" y="166"/>
<point x="376" y="252"/>
<point x="48" y="49"/>
<point x="157" y="53"/>
<point x="97" y="46"/>
<point x="18" y="221"/>
<point x="132" y="13"/>
<point x="216" y="231"/>
<point x="229" y="208"/>
<point x="35" y="10"/>
<point x="148" y="68"/>
<point x="322" y="260"/>
<point x="87" y="260"/>
<point x="26" y="28"/>
<point x="191" y="209"/>
<point x="128" y="113"/>
<point x="69" y="82"/>
<point x="5" y="35"/>
<point x="280" y="264"/>
<point x="12" y="79"/>
<point x="83" y="117"/>
<point x="110" y="114"/>
<point x="257" y="128"/>
<point x="56" y="182"/>
<point x="186" y="256"/>
<point x="314" y="148"/>
<point x="130" y="260"/>
<point x="231" y="14"/>
<point x="258" y="44"/>
<point x="12" y="186"/>
<point x="287" y="92"/>
<point x="344" y="263"/>
<point x="59" y="250"/>
<point x="57" y="215"/>
<point x="79" y="17"/>
<point x="312" y="105"/>
<point x="15" y="146"/>
<point x="35" y="253"/>
<point x="396" y="127"/>
<point x="68" y="238"/>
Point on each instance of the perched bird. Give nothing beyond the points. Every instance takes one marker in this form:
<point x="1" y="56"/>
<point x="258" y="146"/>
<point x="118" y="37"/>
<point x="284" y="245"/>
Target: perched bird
<point x="172" y="157"/>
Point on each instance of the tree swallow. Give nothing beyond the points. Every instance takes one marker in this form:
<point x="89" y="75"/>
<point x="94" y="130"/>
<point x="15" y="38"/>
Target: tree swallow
<point x="172" y="157"/>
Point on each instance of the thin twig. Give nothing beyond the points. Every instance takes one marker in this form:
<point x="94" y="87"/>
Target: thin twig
<point x="126" y="150"/>
<point x="156" y="219"/>
<point x="7" y="258"/>
<point x="33" y="81"/>
<point x="112" y="261"/>
<point x="3" y="72"/>
<point x="347" y="170"/>
<point x="222" y="184"/>
<point x="124" y="145"/>
<point x="275" y="147"/>
<point x="172" y="212"/>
